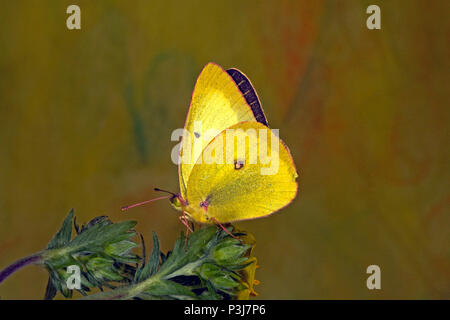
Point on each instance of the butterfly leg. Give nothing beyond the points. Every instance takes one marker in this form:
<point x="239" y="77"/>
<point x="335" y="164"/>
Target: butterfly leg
<point x="184" y="220"/>
<point x="186" y="224"/>
<point x="224" y="229"/>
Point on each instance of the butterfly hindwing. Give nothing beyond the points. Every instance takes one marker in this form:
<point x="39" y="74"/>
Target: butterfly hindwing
<point x="240" y="189"/>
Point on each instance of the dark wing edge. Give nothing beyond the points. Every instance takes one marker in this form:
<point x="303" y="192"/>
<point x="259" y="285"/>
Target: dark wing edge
<point x="249" y="93"/>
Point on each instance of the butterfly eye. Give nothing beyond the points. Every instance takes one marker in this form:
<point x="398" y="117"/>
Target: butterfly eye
<point x="238" y="164"/>
<point x="197" y="135"/>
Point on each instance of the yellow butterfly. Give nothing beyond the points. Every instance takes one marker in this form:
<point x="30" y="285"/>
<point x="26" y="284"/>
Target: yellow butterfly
<point x="233" y="186"/>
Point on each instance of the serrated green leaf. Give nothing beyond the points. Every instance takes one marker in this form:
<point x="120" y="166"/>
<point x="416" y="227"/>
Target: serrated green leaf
<point x="197" y="246"/>
<point x="120" y="248"/>
<point x="224" y="281"/>
<point x="100" y="220"/>
<point x="228" y="251"/>
<point x="130" y="258"/>
<point x="99" y="263"/>
<point x="153" y="261"/>
<point x="99" y="235"/>
<point x="50" y="290"/>
<point x="239" y="264"/>
<point x="210" y="293"/>
<point x="62" y="237"/>
<point x="218" y="276"/>
<point x="148" y="269"/>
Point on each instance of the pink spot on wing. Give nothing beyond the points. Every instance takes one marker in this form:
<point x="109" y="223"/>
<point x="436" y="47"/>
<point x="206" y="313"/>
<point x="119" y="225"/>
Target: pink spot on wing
<point x="205" y="204"/>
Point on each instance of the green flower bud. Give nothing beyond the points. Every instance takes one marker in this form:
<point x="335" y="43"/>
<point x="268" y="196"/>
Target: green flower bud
<point x="229" y="251"/>
<point x="120" y="248"/>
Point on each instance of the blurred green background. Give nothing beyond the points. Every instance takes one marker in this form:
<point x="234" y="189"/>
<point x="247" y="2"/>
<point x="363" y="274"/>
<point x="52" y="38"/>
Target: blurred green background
<point x="86" y="118"/>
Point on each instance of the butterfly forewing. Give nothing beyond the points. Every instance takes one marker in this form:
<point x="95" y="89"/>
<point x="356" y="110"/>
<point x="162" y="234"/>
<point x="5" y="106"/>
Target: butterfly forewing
<point x="217" y="103"/>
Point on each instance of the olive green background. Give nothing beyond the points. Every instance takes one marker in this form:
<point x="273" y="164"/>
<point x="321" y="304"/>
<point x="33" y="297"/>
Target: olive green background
<point x="86" y="118"/>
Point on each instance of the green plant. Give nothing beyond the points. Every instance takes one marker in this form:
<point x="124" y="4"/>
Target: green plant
<point x="209" y="264"/>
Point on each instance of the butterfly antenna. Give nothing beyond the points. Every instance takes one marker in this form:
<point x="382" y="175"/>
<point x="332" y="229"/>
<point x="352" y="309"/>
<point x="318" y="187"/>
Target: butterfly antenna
<point x="143" y="202"/>
<point x="161" y="190"/>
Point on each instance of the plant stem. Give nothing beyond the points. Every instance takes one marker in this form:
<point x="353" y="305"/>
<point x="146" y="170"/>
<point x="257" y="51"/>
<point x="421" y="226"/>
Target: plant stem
<point x="123" y="293"/>
<point x="114" y="294"/>
<point x="186" y="270"/>
<point x="9" y="270"/>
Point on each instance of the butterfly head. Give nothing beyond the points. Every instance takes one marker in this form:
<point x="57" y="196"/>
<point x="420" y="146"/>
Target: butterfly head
<point x="177" y="202"/>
